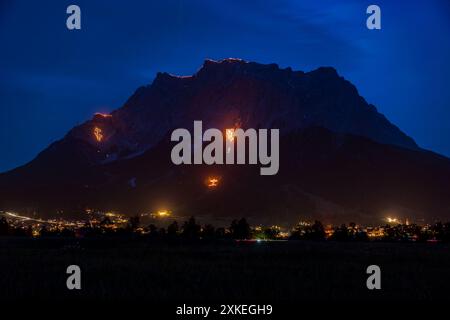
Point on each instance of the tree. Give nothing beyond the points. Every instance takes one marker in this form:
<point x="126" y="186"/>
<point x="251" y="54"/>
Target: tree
<point x="162" y="233"/>
<point x="220" y="233"/>
<point x="191" y="230"/>
<point x="44" y="232"/>
<point x="361" y="236"/>
<point x="240" y="229"/>
<point x="446" y="235"/>
<point x="152" y="231"/>
<point x="271" y="233"/>
<point x="341" y="233"/>
<point x="4" y="227"/>
<point x="317" y="231"/>
<point x="208" y="232"/>
<point x="172" y="230"/>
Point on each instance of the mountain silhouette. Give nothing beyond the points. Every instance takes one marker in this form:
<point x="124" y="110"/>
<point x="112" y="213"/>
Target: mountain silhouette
<point x="340" y="159"/>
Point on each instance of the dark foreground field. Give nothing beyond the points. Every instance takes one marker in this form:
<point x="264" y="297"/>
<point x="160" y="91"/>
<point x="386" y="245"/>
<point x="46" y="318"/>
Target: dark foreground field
<point x="219" y="273"/>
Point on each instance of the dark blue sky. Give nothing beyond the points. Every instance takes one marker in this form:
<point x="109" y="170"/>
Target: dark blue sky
<point x="52" y="78"/>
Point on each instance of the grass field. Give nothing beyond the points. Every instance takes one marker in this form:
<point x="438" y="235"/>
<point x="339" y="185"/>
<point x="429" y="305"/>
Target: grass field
<point x="275" y="272"/>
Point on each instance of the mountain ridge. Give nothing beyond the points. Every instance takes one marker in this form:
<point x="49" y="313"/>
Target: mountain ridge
<point x="158" y="105"/>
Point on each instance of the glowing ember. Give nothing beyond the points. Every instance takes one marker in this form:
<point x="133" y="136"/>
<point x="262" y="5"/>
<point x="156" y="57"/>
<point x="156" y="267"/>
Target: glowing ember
<point x="230" y="134"/>
<point x="212" y="182"/>
<point x="98" y="134"/>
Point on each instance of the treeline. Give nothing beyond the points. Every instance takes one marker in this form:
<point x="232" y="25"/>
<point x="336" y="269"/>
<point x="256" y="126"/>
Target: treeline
<point x="190" y="230"/>
<point x="7" y="230"/>
<point x="391" y="233"/>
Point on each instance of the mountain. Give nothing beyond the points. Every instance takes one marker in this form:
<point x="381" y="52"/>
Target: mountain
<point x="341" y="159"/>
<point x="229" y="92"/>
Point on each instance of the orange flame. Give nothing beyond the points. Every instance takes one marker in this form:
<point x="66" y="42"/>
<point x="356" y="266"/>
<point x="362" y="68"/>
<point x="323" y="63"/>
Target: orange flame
<point x="98" y="134"/>
<point x="230" y="134"/>
<point x="212" y="182"/>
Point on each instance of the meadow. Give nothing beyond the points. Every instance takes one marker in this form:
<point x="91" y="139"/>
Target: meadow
<point x="221" y="272"/>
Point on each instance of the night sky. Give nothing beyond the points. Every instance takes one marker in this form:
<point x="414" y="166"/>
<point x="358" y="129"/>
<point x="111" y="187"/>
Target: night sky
<point x="52" y="79"/>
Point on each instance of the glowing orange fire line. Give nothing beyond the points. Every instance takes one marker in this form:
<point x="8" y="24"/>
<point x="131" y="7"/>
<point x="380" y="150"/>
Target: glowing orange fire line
<point x="98" y="134"/>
